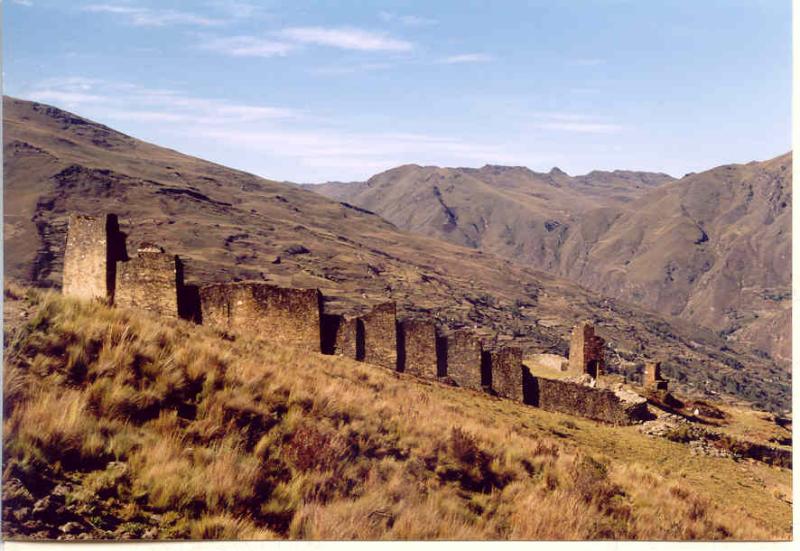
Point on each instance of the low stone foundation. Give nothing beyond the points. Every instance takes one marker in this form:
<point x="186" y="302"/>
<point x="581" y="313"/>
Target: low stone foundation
<point x="284" y="315"/>
<point x="599" y="404"/>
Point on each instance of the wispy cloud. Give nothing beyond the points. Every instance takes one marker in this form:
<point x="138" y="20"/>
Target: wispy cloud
<point x="466" y="58"/>
<point x="247" y="46"/>
<point x="336" y="70"/>
<point x="346" y="38"/>
<point x="409" y="20"/>
<point x="146" y="17"/>
<point x="26" y="3"/>
<point x="124" y="101"/>
<point x="259" y="137"/>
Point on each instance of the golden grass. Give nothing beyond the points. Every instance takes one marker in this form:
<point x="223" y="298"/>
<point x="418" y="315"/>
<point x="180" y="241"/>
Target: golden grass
<point x="205" y="437"/>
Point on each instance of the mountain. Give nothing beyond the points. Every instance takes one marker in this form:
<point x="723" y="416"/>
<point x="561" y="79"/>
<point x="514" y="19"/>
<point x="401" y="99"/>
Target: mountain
<point x="227" y="224"/>
<point x="711" y="247"/>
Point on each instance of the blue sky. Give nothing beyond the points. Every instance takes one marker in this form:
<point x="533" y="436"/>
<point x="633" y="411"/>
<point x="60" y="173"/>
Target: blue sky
<point x="316" y="91"/>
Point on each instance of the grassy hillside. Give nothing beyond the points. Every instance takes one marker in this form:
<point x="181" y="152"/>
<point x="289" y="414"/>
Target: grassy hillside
<point x="120" y="425"/>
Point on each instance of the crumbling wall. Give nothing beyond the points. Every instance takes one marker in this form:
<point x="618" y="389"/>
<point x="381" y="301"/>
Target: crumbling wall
<point x="89" y="257"/>
<point x="341" y="336"/>
<point x="504" y="372"/>
<point x="653" y="378"/>
<point x="284" y="315"/>
<point x="576" y="399"/>
<point x="416" y="347"/>
<point x="462" y="351"/>
<point x="379" y="328"/>
<point x="149" y="281"/>
<point x="586" y="351"/>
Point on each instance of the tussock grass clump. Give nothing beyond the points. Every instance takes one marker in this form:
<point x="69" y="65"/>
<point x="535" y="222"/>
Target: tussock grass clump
<point x="128" y="426"/>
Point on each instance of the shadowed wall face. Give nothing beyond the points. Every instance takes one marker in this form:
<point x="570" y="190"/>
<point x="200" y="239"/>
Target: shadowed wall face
<point x="380" y="335"/>
<point x="463" y="359"/>
<point x="595" y="403"/>
<point x="286" y="316"/>
<point x="86" y="259"/>
<point x="586" y="351"/>
<point x="418" y="339"/>
<point x="339" y="335"/>
<point x="505" y="371"/>
<point x="149" y="281"/>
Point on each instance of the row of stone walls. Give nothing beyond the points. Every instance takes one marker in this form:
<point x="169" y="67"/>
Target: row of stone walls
<point x="96" y="266"/>
<point x="599" y="404"/>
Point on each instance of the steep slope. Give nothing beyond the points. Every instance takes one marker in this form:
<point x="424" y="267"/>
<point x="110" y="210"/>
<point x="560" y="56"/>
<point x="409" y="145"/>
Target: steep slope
<point x="228" y="224"/>
<point x="712" y="247"/>
<point x="196" y="435"/>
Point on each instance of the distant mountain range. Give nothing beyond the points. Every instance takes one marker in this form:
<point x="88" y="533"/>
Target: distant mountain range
<point x="229" y="225"/>
<point x="713" y="247"/>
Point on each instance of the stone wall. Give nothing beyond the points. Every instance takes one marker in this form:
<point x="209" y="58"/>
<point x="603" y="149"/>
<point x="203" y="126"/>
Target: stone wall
<point x="283" y="315"/>
<point x="505" y="373"/>
<point x="341" y="336"/>
<point x="586" y="351"/>
<point x="149" y="281"/>
<point x="379" y="328"/>
<point x="89" y="271"/>
<point x="653" y="378"/>
<point x="599" y="404"/>
<point x="462" y="351"/>
<point x="416" y="347"/>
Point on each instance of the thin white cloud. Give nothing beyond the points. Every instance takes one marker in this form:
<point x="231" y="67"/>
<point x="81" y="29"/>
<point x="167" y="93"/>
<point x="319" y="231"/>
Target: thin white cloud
<point x="466" y="58"/>
<point x="26" y="3"/>
<point x="409" y="20"/>
<point x="346" y="38"/>
<point x="123" y="101"/>
<point x="247" y="46"/>
<point x="146" y="17"/>
<point x="336" y="70"/>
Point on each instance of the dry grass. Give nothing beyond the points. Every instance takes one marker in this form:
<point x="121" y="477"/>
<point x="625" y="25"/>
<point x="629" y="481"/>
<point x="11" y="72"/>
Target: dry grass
<point x="169" y="426"/>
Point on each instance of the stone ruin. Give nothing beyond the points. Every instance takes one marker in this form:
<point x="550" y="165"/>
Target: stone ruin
<point x="463" y="358"/>
<point x="416" y="346"/>
<point x="96" y="266"/>
<point x="284" y="315"/>
<point x="379" y="328"/>
<point x="586" y="351"/>
<point x="149" y="281"/>
<point x="652" y="377"/>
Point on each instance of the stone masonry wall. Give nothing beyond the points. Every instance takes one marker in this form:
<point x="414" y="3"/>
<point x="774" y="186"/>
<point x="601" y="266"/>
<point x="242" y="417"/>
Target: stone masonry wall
<point x="463" y="358"/>
<point x="149" y="281"/>
<point x="417" y="347"/>
<point x="340" y="336"/>
<point x="575" y="399"/>
<point x="87" y="271"/>
<point x="284" y="315"/>
<point x="506" y="372"/>
<point x="380" y="335"/>
<point x="586" y="351"/>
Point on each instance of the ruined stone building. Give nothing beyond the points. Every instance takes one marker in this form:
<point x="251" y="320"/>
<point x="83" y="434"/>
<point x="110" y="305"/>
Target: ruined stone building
<point x="284" y="315"/>
<point x="90" y="257"/>
<point x="149" y="281"/>
<point x="586" y="351"/>
<point x="652" y="376"/>
<point x="97" y="267"/>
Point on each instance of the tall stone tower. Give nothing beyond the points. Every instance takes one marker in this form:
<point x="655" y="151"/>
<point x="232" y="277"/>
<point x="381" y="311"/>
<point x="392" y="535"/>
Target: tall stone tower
<point x="586" y="351"/>
<point x="89" y="257"/>
<point x="150" y="281"/>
